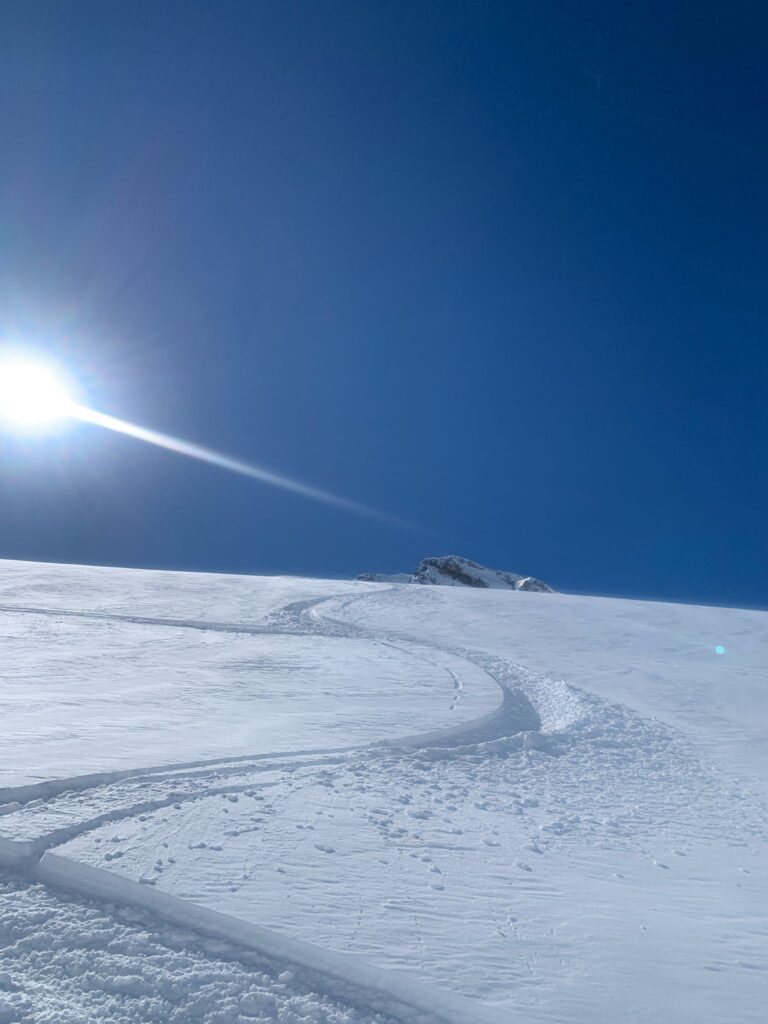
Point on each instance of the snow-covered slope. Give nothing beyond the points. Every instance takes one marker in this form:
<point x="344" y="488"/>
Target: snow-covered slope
<point x="554" y="809"/>
<point x="109" y="669"/>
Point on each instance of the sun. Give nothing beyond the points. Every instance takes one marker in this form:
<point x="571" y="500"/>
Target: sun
<point x="32" y="393"/>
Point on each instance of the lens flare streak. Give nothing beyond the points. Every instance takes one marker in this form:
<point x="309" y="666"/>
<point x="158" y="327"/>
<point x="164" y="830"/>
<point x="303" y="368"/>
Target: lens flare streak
<point x="32" y="393"/>
<point x="196" y="451"/>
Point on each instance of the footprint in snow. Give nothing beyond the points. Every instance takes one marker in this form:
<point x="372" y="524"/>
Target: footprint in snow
<point x="324" y="849"/>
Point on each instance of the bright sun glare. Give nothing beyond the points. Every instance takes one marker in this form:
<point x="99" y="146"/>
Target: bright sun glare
<point x="31" y="393"/>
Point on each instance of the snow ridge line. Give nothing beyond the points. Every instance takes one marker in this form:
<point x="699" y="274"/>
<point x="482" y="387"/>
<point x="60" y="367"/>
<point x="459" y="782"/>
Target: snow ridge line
<point x="50" y="788"/>
<point x="353" y="979"/>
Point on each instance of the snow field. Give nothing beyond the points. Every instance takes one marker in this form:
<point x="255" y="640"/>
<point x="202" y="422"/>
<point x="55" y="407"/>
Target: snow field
<point x="65" y="961"/>
<point x="101" y="691"/>
<point x="458" y="865"/>
<point x="659" y="659"/>
<point x="580" y="850"/>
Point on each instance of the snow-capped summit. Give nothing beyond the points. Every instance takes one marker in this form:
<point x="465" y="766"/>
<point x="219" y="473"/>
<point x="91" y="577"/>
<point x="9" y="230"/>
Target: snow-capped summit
<point x="455" y="571"/>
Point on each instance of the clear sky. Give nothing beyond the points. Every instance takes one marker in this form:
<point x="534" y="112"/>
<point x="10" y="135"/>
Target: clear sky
<point x="498" y="269"/>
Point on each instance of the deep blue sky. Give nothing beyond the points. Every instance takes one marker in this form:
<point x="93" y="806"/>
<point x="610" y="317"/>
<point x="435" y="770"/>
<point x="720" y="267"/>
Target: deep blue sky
<point x="496" y="268"/>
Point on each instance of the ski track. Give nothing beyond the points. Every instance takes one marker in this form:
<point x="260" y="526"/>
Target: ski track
<point x="54" y="812"/>
<point x="43" y="816"/>
<point x="525" y="758"/>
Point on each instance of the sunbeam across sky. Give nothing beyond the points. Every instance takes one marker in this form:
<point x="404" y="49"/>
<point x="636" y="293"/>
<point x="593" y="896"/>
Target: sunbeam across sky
<point x="496" y="267"/>
<point x="33" y="393"/>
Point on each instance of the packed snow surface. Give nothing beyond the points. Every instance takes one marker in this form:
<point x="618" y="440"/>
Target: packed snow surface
<point x="553" y="806"/>
<point x="109" y="669"/>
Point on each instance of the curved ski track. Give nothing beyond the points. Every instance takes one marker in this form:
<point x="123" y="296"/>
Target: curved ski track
<point x="86" y="802"/>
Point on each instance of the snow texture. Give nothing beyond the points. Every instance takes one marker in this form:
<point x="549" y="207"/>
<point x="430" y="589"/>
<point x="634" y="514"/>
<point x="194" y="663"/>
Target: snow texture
<point x="544" y="810"/>
<point x="65" y="960"/>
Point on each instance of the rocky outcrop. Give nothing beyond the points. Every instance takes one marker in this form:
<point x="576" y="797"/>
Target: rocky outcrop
<point x="385" y="577"/>
<point x="455" y="571"/>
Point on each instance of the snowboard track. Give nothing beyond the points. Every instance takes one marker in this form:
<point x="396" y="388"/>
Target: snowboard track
<point x="514" y="725"/>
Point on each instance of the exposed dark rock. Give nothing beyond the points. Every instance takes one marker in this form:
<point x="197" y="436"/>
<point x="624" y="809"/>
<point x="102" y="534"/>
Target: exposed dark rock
<point x="455" y="571"/>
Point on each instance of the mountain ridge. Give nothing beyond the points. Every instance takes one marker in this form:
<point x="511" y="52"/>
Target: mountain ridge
<point x="457" y="571"/>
